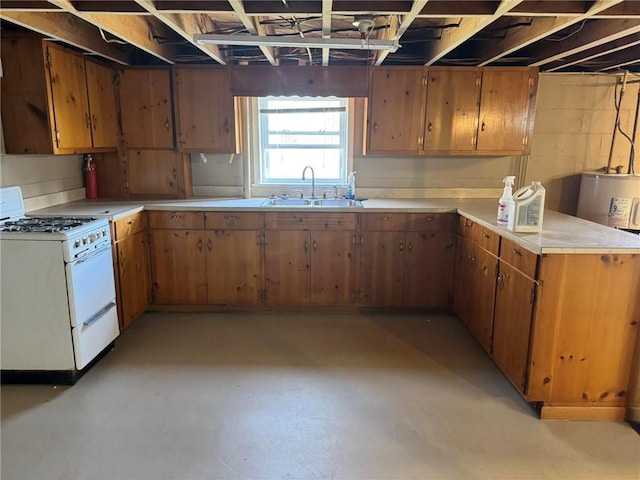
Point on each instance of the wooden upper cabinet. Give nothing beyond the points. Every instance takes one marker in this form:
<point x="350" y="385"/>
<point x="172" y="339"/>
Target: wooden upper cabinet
<point x="69" y="104"/>
<point x="146" y="108"/>
<point x="102" y="104"/>
<point x="451" y="121"/>
<point x="505" y="109"/>
<point x="205" y="108"/>
<point x="395" y="111"/>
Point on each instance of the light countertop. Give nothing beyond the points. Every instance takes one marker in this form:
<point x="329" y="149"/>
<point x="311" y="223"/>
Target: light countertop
<point x="560" y="234"/>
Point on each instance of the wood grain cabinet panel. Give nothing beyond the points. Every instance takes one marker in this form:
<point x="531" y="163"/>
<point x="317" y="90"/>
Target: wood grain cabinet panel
<point x="453" y="99"/>
<point x="206" y="110"/>
<point x="179" y="268"/>
<point x="287" y="267"/>
<point x="146" y="108"/>
<point x="176" y="220"/>
<point x="382" y="269"/>
<point x="158" y="173"/>
<point x="395" y="111"/>
<point x="504" y="109"/>
<point x="333" y="267"/>
<point x="133" y="271"/>
<point x="102" y="104"/>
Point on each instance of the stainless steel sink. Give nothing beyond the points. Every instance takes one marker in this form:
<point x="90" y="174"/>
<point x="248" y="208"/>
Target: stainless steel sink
<point x="287" y="202"/>
<point x="337" y="202"/>
<point x="307" y="202"/>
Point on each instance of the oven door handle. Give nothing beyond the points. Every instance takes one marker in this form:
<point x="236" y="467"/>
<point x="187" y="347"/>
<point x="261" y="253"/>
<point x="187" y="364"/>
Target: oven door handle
<point x="98" y="315"/>
<point x="89" y="253"/>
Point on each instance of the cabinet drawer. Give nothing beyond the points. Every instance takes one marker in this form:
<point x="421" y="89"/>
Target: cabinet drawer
<point x="309" y="221"/>
<point x="483" y="236"/>
<point x="176" y="220"/>
<point x="383" y="222"/>
<point x="522" y="259"/>
<point x="129" y="225"/>
<point x="232" y="221"/>
<point x="425" y="222"/>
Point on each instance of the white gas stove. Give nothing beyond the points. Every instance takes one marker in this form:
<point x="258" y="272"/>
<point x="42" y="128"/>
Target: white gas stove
<point x="57" y="296"/>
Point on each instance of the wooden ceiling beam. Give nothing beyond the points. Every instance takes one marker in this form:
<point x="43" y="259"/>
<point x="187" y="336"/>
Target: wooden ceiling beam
<point x="593" y="34"/>
<point x="69" y="29"/>
<point x="201" y="6"/>
<point x="540" y="28"/>
<point x="398" y="30"/>
<point x="547" y="8"/>
<point x="439" y="9"/>
<point x="128" y="7"/>
<point x="185" y="25"/>
<point x="602" y="50"/>
<point x="28" y="6"/>
<point x="327" y="6"/>
<point x="254" y="27"/>
<point x="136" y="30"/>
<point x="454" y="37"/>
<point x="630" y="56"/>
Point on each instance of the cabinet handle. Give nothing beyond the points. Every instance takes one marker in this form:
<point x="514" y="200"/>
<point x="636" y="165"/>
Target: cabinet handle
<point x="517" y="252"/>
<point x="88" y="120"/>
<point x="166" y="124"/>
<point x="483" y="126"/>
<point x="315" y="245"/>
<point x="306" y="245"/>
<point x="375" y="127"/>
<point x="500" y="281"/>
<point x="430" y="127"/>
<point x="401" y="247"/>
<point x="226" y="125"/>
<point x="230" y="217"/>
<point x="383" y="218"/>
<point x="130" y="222"/>
<point x="200" y="244"/>
<point x="95" y="122"/>
<point x="175" y="215"/>
<point x="209" y="245"/>
<point x="429" y="219"/>
<point x="409" y="246"/>
<point x="486" y="235"/>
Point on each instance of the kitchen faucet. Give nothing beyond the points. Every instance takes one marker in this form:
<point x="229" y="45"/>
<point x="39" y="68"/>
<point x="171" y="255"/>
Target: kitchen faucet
<point x="313" y="180"/>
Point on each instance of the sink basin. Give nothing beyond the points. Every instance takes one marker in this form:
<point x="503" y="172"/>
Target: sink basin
<point x="287" y="202"/>
<point x="337" y="202"/>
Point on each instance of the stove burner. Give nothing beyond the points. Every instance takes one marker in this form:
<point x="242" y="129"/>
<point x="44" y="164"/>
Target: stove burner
<point x="44" y="224"/>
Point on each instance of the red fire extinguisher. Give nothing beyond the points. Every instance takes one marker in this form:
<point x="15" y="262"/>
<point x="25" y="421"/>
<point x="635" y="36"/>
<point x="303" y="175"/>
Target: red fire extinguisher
<point x="90" y="177"/>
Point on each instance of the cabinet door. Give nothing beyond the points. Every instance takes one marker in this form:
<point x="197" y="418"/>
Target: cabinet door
<point x="428" y="269"/>
<point x="382" y="268"/>
<point x="69" y="103"/>
<point x="462" y="278"/>
<point x="152" y="172"/>
<point x="233" y="267"/>
<point x="102" y="104"/>
<point x="453" y="98"/>
<point x="504" y="109"/>
<point x="287" y="267"/>
<point x="333" y="261"/>
<point x="145" y="108"/>
<point x="205" y="110"/>
<point x="396" y="109"/>
<point x="512" y="323"/>
<point x="133" y="273"/>
<point x="482" y="289"/>
<point x="178" y="264"/>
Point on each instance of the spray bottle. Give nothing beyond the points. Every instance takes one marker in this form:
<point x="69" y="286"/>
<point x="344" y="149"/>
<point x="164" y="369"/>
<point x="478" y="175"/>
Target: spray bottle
<point x="351" y="185"/>
<point x="506" y="203"/>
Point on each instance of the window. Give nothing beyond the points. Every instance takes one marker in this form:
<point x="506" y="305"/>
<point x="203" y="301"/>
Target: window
<point x="300" y="131"/>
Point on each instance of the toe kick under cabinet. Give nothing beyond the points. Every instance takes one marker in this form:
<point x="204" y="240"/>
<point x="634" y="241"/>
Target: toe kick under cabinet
<point x="562" y="327"/>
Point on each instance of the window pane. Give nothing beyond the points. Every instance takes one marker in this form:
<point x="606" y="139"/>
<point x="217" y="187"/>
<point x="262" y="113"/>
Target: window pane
<point x="304" y="140"/>
<point x="288" y="164"/>
<point x="305" y="122"/>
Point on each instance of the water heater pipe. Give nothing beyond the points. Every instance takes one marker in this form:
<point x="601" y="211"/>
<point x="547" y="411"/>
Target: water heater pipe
<point x="617" y="122"/>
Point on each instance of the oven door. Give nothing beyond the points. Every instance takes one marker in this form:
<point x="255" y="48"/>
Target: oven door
<point x="94" y="335"/>
<point x="90" y="285"/>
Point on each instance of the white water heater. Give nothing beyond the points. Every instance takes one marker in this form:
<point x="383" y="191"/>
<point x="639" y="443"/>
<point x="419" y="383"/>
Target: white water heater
<point x="610" y="199"/>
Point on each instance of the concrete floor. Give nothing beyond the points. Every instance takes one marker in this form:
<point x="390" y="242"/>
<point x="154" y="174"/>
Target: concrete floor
<point x="270" y="396"/>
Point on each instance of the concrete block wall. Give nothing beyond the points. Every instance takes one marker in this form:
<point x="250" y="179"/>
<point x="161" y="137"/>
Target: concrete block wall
<point x="574" y="122"/>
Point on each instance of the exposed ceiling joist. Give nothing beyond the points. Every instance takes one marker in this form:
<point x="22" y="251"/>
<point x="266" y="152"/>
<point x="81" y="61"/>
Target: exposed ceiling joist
<point x="70" y="29"/>
<point x="539" y="29"/>
<point x="29" y="6"/>
<point x="138" y="31"/>
<point x="185" y="25"/>
<point x="600" y="51"/>
<point x="590" y="36"/>
<point x="254" y="28"/>
<point x="628" y="57"/>
<point x="452" y="38"/>
<point x="327" y="5"/>
<point x="407" y="20"/>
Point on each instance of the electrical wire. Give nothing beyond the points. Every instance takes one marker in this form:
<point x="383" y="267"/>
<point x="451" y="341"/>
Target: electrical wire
<point x="113" y="40"/>
<point x="617" y="103"/>
<point x="568" y="35"/>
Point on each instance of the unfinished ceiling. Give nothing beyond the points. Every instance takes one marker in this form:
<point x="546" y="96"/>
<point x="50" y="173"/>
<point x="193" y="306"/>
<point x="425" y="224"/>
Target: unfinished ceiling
<point x="554" y="35"/>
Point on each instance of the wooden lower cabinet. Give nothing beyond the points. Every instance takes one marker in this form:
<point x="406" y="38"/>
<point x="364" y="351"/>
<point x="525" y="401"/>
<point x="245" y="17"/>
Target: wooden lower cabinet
<point x="515" y="294"/>
<point x="234" y="267"/>
<point x="133" y="271"/>
<point x="178" y="263"/>
<point x="382" y="269"/>
<point x="304" y="267"/>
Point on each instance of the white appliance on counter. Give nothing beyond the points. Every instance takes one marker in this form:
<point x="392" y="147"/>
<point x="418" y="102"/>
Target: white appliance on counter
<point x="610" y="199"/>
<point x="57" y="294"/>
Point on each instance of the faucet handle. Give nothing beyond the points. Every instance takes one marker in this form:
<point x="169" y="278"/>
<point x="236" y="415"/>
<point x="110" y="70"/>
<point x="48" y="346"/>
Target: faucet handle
<point x="301" y="193"/>
<point x="324" y="194"/>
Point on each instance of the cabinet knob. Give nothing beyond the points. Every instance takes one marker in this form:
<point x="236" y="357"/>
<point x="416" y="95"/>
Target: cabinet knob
<point x="95" y="122"/>
<point x="166" y="124"/>
<point x="209" y="245"/>
<point x="401" y="247"/>
<point x="409" y="246"/>
<point x="306" y="246"/>
<point x="226" y="125"/>
<point x="200" y="244"/>
<point x="483" y="126"/>
<point x="315" y="245"/>
<point x="230" y="217"/>
<point x="430" y="127"/>
<point x="375" y="127"/>
<point x="88" y="120"/>
<point x="517" y="252"/>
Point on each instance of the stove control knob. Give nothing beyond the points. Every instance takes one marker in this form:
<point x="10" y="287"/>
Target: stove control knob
<point x="104" y="232"/>
<point x="77" y="243"/>
<point x="92" y="237"/>
<point x="85" y="240"/>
